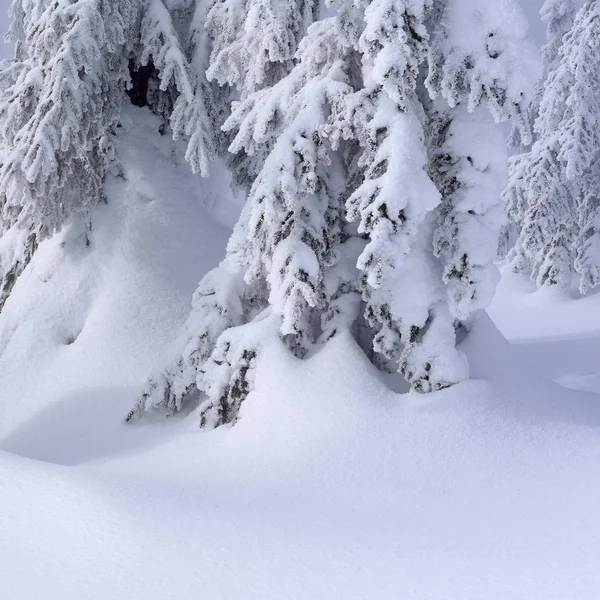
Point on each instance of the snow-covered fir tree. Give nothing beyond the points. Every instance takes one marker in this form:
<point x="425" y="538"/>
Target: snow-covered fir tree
<point x="282" y="245"/>
<point x="254" y="44"/>
<point x="58" y="106"/>
<point x="60" y="101"/>
<point x="377" y="196"/>
<point x="558" y="16"/>
<point x="553" y="190"/>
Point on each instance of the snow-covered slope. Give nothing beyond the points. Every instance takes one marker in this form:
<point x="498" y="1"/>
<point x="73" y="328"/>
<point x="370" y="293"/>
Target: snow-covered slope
<point x="328" y="487"/>
<point x="557" y="334"/>
<point x="93" y="313"/>
<point x="522" y="313"/>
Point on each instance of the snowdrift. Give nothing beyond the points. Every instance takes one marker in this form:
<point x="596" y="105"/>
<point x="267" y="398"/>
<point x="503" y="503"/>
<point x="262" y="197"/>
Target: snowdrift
<point x="525" y="314"/>
<point x="95" y="310"/>
<point x="330" y="486"/>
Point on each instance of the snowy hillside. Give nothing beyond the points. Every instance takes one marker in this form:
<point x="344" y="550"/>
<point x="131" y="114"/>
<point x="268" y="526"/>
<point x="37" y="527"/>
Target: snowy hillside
<point x="335" y="482"/>
<point x="328" y="487"/>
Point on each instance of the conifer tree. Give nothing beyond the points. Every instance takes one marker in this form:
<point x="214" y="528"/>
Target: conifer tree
<point x="57" y="109"/>
<point x="382" y="125"/>
<point x="553" y="189"/>
<point x="287" y="235"/>
<point x="558" y="16"/>
<point x="60" y="100"/>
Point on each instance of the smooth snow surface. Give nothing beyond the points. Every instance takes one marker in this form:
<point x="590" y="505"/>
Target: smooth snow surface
<point x="522" y="313"/>
<point x="330" y="486"/>
<point x="557" y="334"/>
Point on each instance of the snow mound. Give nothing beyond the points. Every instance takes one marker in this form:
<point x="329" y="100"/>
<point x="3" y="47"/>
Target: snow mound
<point x="329" y="486"/>
<point x="524" y="314"/>
<point x="94" y="310"/>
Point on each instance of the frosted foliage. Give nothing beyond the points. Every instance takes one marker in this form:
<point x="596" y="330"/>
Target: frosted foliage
<point x="554" y="188"/>
<point x="228" y="374"/>
<point x="59" y="103"/>
<point x="391" y="206"/>
<point x="291" y="231"/>
<point x="180" y="58"/>
<point x="558" y="15"/>
<point x="480" y="54"/>
<point x="376" y="204"/>
<point x="415" y="328"/>
<point x="198" y="119"/>
<point x="396" y="192"/>
<point x="342" y="289"/>
<point x="243" y="44"/>
<point x="18" y="244"/>
<point x="256" y="40"/>
<point x="174" y="39"/>
<point x="160" y="43"/>
<point x="541" y="200"/>
<point x="580" y="122"/>
<point x="560" y="78"/>
<point x="394" y="45"/>
<point x="587" y="261"/>
<point x="469" y="169"/>
<point x="216" y="306"/>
